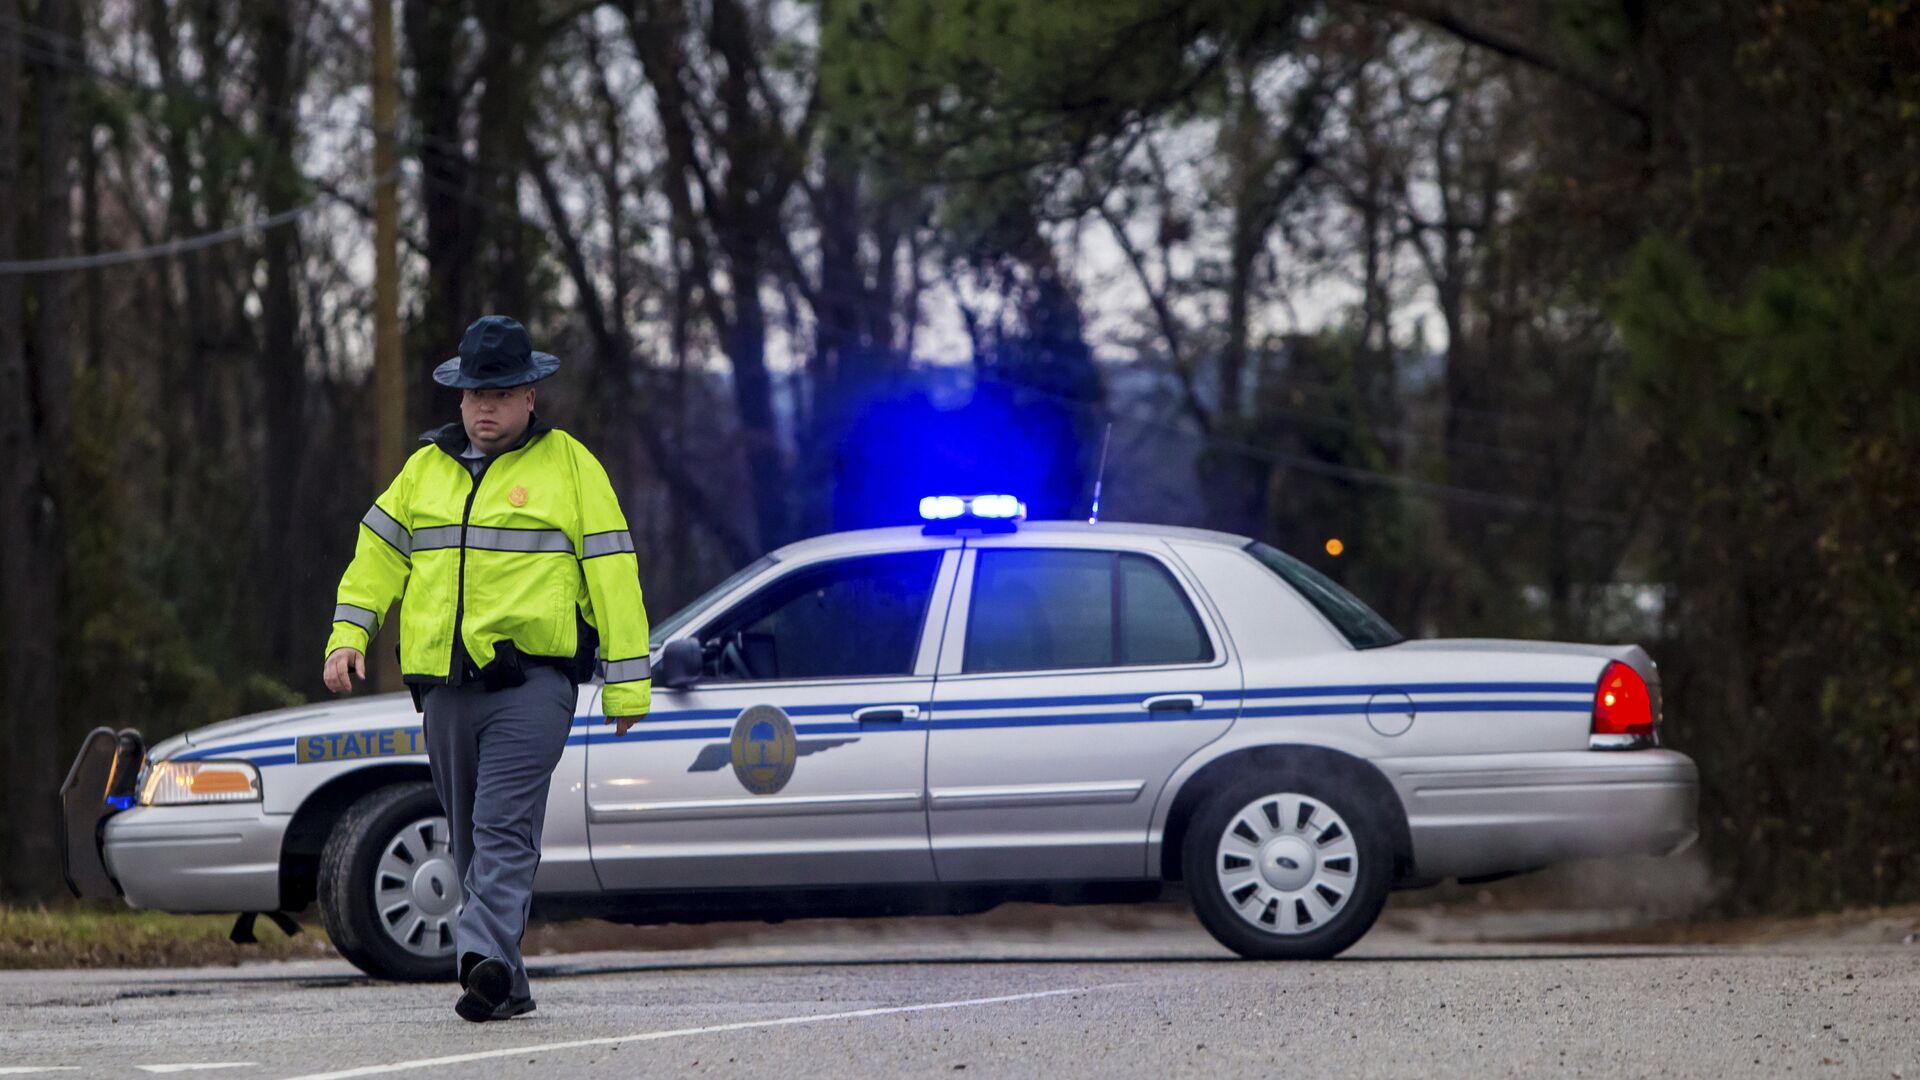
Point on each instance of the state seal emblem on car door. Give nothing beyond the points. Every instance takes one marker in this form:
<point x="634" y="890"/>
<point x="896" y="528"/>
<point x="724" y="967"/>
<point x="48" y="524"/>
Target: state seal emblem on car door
<point x="763" y="749"/>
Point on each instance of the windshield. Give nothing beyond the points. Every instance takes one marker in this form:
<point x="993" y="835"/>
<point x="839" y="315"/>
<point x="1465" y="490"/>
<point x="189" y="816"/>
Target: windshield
<point x="1363" y="627"/>
<point x="665" y="628"/>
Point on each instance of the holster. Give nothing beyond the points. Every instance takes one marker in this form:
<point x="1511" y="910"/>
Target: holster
<point x="586" y="658"/>
<point x="505" y="670"/>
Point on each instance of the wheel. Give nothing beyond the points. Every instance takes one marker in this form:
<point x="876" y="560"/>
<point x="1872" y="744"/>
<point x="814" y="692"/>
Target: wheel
<point x="388" y="890"/>
<point x="1288" y="865"/>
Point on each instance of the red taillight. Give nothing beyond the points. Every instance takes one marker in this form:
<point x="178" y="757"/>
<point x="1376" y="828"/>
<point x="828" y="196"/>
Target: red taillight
<point x="1621" y="704"/>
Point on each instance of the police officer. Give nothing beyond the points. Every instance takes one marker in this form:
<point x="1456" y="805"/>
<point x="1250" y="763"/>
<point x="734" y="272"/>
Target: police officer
<point x="505" y="545"/>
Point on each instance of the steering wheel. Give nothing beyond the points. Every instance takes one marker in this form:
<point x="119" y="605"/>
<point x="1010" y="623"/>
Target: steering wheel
<point x="731" y="660"/>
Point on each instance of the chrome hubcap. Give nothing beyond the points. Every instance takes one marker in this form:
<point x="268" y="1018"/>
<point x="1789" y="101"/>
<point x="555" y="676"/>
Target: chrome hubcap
<point x="416" y="890"/>
<point x="1287" y="863"/>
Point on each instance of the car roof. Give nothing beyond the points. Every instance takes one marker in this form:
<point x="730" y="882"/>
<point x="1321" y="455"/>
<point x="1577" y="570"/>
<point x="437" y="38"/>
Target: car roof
<point x="907" y="537"/>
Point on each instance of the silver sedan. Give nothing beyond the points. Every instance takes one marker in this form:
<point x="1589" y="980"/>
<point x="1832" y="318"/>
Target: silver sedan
<point x="940" y="720"/>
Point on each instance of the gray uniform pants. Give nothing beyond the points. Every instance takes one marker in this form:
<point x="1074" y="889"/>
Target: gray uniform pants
<point x="492" y="757"/>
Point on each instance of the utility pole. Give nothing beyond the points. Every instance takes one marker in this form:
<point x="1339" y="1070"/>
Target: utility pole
<point x="389" y="382"/>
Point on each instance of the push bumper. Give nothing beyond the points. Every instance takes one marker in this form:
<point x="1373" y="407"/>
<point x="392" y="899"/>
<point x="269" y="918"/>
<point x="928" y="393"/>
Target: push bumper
<point x="99" y="784"/>
<point x="215" y="858"/>
<point x="1483" y="814"/>
<point x="183" y="859"/>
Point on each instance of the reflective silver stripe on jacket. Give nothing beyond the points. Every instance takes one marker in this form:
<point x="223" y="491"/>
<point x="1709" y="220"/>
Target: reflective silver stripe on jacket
<point x="439" y="536"/>
<point x="358" y="616"/>
<point x="640" y="667"/>
<point x="481" y="538"/>
<point x="606" y="543"/>
<point x="384" y="527"/>
<point x="531" y="541"/>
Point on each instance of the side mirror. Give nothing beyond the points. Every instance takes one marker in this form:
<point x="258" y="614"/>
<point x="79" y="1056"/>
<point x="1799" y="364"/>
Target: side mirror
<point x="680" y="665"/>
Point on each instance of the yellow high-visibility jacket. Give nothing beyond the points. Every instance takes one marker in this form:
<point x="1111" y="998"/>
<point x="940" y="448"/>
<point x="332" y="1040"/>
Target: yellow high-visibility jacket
<point x="511" y="555"/>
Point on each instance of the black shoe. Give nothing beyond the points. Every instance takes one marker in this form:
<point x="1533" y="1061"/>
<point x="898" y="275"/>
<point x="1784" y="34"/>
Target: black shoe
<point x="514" y="1007"/>
<point x="488" y="985"/>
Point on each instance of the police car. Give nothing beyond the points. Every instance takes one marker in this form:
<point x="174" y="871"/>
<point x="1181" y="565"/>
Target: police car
<point x="939" y="720"/>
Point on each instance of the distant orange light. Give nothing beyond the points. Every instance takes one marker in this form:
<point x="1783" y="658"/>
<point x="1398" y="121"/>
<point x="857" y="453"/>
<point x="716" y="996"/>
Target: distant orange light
<point x="1335" y="547"/>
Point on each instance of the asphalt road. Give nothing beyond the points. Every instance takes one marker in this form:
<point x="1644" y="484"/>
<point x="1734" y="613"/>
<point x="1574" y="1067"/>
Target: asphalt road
<point x="1155" y="1001"/>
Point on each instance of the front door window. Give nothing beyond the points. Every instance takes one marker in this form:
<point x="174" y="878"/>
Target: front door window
<point x="854" y="618"/>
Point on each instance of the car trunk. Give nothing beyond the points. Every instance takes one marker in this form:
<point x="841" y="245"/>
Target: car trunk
<point x="1633" y="656"/>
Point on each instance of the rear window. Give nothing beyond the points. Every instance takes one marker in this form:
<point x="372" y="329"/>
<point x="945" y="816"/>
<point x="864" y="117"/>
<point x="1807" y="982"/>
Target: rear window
<point x="1362" y="626"/>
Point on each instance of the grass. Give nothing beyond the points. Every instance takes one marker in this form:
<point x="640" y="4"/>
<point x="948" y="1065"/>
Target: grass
<point x="87" y="935"/>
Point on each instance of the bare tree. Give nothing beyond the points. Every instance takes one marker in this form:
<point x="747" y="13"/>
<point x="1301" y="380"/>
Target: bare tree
<point x="33" y="428"/>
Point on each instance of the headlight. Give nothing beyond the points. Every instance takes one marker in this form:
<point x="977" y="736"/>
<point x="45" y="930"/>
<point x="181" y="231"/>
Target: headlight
<point x="175" y="783"/>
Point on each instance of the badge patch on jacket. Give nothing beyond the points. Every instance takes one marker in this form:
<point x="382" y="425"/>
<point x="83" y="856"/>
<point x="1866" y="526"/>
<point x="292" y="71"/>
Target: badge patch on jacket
<point x="518" y="496"/>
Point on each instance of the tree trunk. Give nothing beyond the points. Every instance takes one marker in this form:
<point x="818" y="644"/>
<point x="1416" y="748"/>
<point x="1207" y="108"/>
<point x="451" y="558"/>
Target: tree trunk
<point x="18" y="709"/>
<point x="32" y="423"/>
<point x="743" y="232"/>
<point x="186" y="381"/>
<point x="838" y="345"/>
<point x="1235" y="484"/>
<point x="283" y="546"/>
<point x="454" y="223"/>
<point x="509" y="52"/>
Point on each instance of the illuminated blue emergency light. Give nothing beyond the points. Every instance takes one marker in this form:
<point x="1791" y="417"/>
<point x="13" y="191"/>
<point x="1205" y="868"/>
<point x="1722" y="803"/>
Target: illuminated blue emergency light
<point x="986" y="513"/>
<point x="120" y="802"/>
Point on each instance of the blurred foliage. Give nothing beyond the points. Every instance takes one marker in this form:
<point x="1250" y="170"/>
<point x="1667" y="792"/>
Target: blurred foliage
<point x="1766" y="299"/>
<point x="147" y="643"/>
<point x="1788" y="478"/>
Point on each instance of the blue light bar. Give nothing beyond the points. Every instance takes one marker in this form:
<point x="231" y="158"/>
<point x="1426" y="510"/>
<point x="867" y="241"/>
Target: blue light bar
<point x="942" y="507"/>
<point x="951" y="512"/>
<point x="996" y="506"/>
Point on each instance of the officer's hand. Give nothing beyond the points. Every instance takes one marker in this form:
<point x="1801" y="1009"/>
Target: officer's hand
<point x="342" y="664"/>
<point x="622" y="723"/>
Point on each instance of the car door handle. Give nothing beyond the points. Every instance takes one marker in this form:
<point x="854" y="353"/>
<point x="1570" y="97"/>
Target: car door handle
<point x="1173" y="703"/>
<point x="886" y="714"/>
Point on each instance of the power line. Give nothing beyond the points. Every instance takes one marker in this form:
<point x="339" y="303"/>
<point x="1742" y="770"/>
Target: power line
<point x="1359" y="474"/>
<point x="158" y="251"/>
<point x="59" y="50"/>
<point x="170" y="248"/>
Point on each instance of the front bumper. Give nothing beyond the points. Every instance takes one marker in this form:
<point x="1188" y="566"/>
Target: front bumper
<point x="1481" y="814"/>
<point x="216" y="858"/>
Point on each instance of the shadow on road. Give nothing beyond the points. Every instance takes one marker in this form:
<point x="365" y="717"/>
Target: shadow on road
<point x="560" y="969"/>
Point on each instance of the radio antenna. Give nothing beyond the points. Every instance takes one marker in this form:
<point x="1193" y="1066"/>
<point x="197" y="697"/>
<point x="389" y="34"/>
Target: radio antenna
<point x="1093" y="518"/>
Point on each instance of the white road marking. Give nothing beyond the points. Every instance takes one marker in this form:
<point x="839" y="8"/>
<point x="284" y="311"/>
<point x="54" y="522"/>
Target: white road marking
<point x="190" y="1066"/>
<point x="22" y="1070"/>
<point x="675" y="1033"/>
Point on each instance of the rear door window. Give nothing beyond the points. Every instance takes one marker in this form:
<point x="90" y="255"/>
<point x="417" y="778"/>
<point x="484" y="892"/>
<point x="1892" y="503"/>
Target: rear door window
<point x="1048" y="609"/>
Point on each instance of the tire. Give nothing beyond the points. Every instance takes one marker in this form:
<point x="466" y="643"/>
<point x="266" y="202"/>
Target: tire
<point x="1334" y="869"/>
<point x="364" y="870"/>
